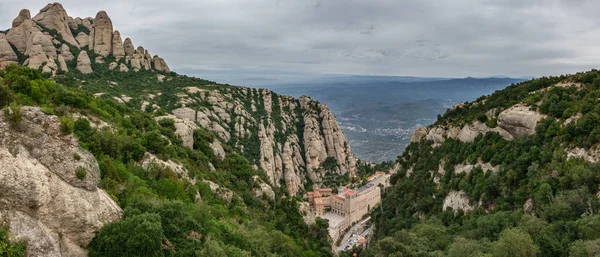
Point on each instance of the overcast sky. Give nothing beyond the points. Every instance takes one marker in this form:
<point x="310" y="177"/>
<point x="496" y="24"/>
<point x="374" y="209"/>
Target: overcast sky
<point x="447" y="38"/>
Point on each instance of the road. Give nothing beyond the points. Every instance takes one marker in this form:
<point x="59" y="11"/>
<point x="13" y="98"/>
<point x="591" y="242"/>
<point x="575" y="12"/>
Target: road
<point x="351" y="237"/>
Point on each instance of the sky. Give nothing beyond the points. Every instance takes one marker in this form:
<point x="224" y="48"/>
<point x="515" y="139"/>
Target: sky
<point x="255" y="39"/>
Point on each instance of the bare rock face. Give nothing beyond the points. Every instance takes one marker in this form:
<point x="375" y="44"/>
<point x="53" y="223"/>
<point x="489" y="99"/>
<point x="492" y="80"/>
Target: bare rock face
<point x="20" y="36"/>
<point x="24" y="15"/>
<point x="123" y="68"/>
<point x="62" y="63"/>
<point x="103" y="33"/>
<point x="39" y="49"/>
<point x="83" y="63"/>
<point x="217" y="149"/>
<point x="42" y="199"/>
<point x="519" y="120"/>
<point x="263" y="190"/>
<point x="160" y="64"/>
<point x="307" y="214"/>
<point x="457" y="200"/>
<point x="54" y="16"/>
<point x="419" y="134"/>
<point x="65" y="52"/>
<point x="83" y="39"/>
<point x="117" y="45"/>
<point x="128" y="47"/>
<point x="324" y="140"/>
<point x="7" y="55"/>
<point x="91" y="37"/>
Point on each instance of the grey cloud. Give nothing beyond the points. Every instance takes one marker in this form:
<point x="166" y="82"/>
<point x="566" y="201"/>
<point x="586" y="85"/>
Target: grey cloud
<point x="453" y="38"/>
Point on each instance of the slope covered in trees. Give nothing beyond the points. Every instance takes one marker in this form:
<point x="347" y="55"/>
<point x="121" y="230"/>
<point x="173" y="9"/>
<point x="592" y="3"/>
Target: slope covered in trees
<point x="499" y="195"/>
<point x="165" y="213"/>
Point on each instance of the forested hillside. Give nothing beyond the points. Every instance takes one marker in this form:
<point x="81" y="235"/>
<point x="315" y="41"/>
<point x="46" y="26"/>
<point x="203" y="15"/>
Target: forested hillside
<point x="510" y="174"/>
<point x="176" y="208"/>
<point x="125" y="158"/>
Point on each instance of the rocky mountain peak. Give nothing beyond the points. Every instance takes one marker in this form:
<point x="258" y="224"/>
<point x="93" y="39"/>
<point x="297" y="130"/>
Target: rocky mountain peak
<point x="54" y="16"/>
<point x="58" y="32"/>
<point x="23" y="16"/>
<point x="103" y="33"/>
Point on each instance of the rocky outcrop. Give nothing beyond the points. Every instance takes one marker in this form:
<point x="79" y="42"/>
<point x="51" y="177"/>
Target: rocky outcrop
<point x="62" y="63"/>
<point x="468" y="133"/>
<point x="83" y="39"/>
<point x="263" y="189"/>
<point x="41" y="197"/>
<point x="117" y="45"/>
<point x="419" y="134"/>
<point x="39" y="49"/>
<point x="24" y="15"/>
<point x="457" y="200"/>
<point x="467" y="168"/>
<point x="128" y="47"/>
<point x="519" y="120"/>
<point x="7" y="55"/>
<point x="160" y="64"/>
<point x="21" y="35"/>
<point x="65" y="52"/>
<point x="54" y="16"/>
<point x="220" y="192"/>
<point x="307" y="214"/>
<point x="84" y="65"/>
<point x="103" y="33"/>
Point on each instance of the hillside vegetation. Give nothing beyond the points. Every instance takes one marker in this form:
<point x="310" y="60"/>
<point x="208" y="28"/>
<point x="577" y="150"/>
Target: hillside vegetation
<point x="534" y="195"/>
<point x="165" y="213"/>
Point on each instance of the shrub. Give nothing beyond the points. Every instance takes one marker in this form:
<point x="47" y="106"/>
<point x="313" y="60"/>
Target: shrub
<point x="6" y="95"/>
<point x="81" y="173"/>
<point x="66" y="124"/>
<point x="76" y="157"/>
<point x="8" y="248"/>
<point x="14" y="115"/>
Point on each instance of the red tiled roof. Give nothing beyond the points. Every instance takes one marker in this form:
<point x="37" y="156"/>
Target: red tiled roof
<point x="339" y="198"/>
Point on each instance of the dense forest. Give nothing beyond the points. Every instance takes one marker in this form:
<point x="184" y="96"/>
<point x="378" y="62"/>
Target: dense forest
<point x="162" y="216"/>
<point x="540" y="202"/>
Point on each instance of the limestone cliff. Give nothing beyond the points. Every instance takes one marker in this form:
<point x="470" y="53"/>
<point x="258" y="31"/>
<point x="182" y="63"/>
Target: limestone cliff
<point x="290" y="139"/>
<point x="41" y="198"/>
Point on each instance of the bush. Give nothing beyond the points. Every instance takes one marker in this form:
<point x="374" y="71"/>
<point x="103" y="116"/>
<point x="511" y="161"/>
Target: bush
<point x="76" y="156"/>
<point x="6" y="95"/>
<point x="8" y="248"/>
<point x="66" y="124"/>
<point x="139" y="235"/>
<point x="81" y="173"/>
<point x="14" y="115"/>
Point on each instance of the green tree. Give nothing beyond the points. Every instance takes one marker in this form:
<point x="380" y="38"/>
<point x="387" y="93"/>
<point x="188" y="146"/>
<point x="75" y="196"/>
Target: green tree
<point x="513" y="242"/>
<point x="138" y="235"/>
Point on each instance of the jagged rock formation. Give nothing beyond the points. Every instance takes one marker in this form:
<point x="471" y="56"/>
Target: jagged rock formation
<point x="40" y="195"/>
<point x="160" y="64"/>
<point x="24" y="15"/>
<point x="83" y="63"/>
<point x="54" y="16"/>
<point x="103" y="32"/>
<point x="7" y="55"/>
<point x="128" y="47"/>
<point x="33" y="37"/>
<point x="117" y="45"/>
<point x="295" y="136"/>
